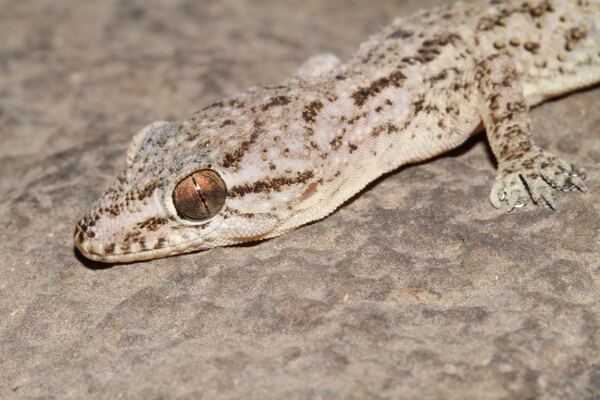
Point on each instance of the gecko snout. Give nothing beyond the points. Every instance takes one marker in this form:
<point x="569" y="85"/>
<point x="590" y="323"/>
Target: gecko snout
<point x="84" y="237"/>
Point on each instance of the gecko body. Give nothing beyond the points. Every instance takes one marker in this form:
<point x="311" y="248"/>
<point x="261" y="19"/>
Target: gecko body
<point x="272" y="158"/>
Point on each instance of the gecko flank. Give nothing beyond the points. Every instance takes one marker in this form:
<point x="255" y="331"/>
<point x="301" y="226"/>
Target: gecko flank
<point x="273" y="158"/>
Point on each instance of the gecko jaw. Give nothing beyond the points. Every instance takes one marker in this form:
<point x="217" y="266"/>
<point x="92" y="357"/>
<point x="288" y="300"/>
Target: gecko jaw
<point x="97" y="251"/>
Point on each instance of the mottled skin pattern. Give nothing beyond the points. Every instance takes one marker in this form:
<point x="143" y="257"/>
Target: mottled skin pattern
<point x="292" y="153"/>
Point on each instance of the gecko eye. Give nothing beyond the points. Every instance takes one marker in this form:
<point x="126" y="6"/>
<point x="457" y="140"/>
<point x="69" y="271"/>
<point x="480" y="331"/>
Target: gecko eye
<point x="200" y="195"/>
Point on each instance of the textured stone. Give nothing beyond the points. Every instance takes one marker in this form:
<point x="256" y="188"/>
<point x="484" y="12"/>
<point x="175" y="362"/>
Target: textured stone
<point x="417" y="288"/>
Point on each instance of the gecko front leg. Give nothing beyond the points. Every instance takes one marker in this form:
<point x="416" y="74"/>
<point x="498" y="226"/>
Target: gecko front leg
<point x="522" y="167"/>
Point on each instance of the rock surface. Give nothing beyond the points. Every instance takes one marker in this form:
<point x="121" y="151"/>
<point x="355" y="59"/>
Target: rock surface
<point x="417" y="288"/>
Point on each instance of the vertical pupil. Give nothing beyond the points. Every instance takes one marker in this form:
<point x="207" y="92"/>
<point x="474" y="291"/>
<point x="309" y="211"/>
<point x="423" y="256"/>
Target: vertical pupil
<point x="200" y="195"/>
<point x="199" y="192"/>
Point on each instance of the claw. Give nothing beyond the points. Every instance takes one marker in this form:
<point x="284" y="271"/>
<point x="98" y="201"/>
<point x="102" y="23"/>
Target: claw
<point x="498" y="194"/>
<point x="578" y="182"/>
<point x="550" y="201"/>
<point x="517" y="198"/>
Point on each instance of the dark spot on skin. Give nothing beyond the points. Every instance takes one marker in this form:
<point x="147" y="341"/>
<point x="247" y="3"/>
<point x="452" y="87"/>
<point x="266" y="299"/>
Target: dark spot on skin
<point x="361" y="95"/>
<point x="532" y="47"/>
<point x="537" y="11"/>
<point x="276" y="101"/>
<point x="388" y="127"/>
<point x="109" y="248"/>
<point x="233" y="159"/>
<point x="418" y="105"/>
<point x="131" y="237"/>
<point x="336" y="142"/>
<point x="352" y="120"/>
<point x="494" y="102"/>
<point x="236" y="103"/>
<point x="311" y="111"/>
<point x="152" y="224"/>
<point x="160" y="243"/>
<point x="268" y="185"/>
<point x="438" y="77"/>
<point x="400" y="34"/>
<point x="227" y="122"/>
<point x="217" y="104"/>
<point x="352" y="147"/>
<point x="146" y="191"/>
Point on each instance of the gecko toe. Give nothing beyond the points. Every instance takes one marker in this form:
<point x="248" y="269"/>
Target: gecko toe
<point x="498" y="193"/>
<point x="517" y="197"/>
<point x="536" y="175"/>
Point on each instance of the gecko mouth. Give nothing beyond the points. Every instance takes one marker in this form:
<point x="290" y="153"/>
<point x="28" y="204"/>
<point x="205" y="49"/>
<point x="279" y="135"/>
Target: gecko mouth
<point x="91" y="247"/>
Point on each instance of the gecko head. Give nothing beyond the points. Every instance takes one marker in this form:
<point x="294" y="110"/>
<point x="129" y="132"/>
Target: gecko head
<point x="174" y="196"/>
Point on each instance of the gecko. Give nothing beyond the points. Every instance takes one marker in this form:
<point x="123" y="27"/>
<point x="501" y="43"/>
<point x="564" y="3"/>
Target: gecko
<point x="272" y="158"/>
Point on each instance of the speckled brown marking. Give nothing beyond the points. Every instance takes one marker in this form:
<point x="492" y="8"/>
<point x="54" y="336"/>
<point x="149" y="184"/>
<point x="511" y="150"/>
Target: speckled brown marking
<point x="132" y="237"/>
<point x="440" y="76"/>
<point x="145" y="192"/>
<point x="276" y="101"/>
<point x="218" y="104"/>
<point x="336" y="142"/>
<point x="109" y="248"/>
<point x="233" y="159"/>
<point x="311" y="111"/>
<point x="227" y="122"/>
<point x="532" y="47"/>
<point x="160" y="243"/>
<point x="361" y="95"/>
<point x="418" y="105"/>
<point x="400" y="34"/>
<point x="387" y="127"/>
<point x="268" y="185"/>
<point x="572" y="37"/>
<point x="153" y="223"/>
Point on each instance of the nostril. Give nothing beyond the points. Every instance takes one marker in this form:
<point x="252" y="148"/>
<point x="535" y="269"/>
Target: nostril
<point x="83" y="232"/>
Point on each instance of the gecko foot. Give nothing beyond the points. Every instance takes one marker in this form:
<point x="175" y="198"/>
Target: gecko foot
<point x="535" y="174"/>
